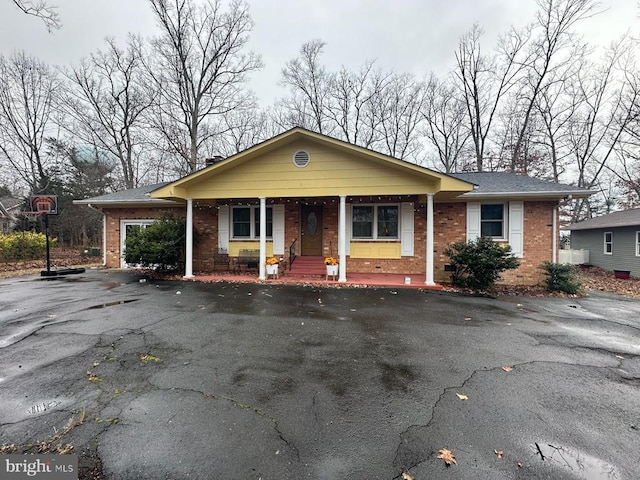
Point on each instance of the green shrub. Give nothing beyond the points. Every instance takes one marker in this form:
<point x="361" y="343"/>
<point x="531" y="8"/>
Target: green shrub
<point x="477" y="264"/>
<point x="23" y="246"/>
<point x="159" y="246"/>
<point x="561" y="277"/>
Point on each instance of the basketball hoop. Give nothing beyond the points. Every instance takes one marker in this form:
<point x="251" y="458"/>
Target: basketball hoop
<point x="44" y="204"/>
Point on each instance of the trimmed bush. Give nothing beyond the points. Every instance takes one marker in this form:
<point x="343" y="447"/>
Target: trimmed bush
<point x="159" y="246"/>
<point x="23" y="246"/>
<point x="561" y="277"/>
<point x="478" y="264"/>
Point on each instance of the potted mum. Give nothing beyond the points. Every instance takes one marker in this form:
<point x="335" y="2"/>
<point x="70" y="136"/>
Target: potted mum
<point x="332" y="266"/>
<point x="272" y="266"/>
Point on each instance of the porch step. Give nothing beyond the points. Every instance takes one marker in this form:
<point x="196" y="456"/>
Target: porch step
<point x="304" y="266"/>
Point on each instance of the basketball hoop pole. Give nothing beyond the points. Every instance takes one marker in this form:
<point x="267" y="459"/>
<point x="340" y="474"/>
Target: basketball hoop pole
<point x="46" y="235"/>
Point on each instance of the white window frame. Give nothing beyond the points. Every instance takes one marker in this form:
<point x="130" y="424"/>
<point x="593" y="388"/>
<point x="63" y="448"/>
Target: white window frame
<point x="253" y="234"/>
<point x="638" y="243"/>
<point x="374" y="230"/>
<point x="124" y="223"/>
<point x="605" y="243"/>
<point x="505" y="220"/>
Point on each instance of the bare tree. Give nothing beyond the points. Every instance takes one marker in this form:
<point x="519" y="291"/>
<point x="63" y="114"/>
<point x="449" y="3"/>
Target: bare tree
<point x="555" y="107"/>
<point x="42" y="10"/>
<point x="199" y="66"/>
<point x="242" y="129"/>
<point x="309" y="82"/>
<point x="27" y="88"/>
<point x="399" y="107"/>
<point x="553" y="35"/>
<point x="446" y="130"/>
<point x="105" y="105"/>
<point x="352" y="103"/>
<point x="485" y="80"/>
<point x="610" y="99"/>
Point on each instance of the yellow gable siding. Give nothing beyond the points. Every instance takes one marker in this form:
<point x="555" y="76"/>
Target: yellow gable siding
<point x="330" y="171"/>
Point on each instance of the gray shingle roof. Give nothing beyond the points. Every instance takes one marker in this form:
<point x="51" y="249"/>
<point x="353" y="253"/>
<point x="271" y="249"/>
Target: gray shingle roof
<point x="504" y="184"/>
<point x="625" y="218"/>
<point x="132" y="195"/>
<point x="489" y="184"/>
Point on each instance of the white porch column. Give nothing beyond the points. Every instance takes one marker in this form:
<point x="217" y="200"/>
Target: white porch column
<point x="188" y="261"/>
<point x="263" y="239"/>
<point x="554" y="232"/>
<point x="429" y="276"/>
<point x="104" y="239"/>
<point x="342" y="240"/>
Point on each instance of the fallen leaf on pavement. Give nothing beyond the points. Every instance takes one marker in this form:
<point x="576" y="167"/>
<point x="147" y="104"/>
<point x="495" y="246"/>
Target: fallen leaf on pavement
<point x="498" y="453"/>
<point x="461" y="396"/>
<point x="519" y="465"/>
<point x="406" y="476"/>
<point x="447" y="456"/>
<point x="507" y="369"/>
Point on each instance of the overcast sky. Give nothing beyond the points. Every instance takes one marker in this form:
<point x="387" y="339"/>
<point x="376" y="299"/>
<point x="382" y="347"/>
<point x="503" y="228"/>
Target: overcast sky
<point x="416" y="36"/>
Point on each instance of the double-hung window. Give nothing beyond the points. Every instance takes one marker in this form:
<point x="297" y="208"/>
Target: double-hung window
<point x="608" y="243"/>
<point x="246" y="222"/>
<point x="637" y="244"/>
<point x="492" y="220"/>
<point x="375" y="222"/>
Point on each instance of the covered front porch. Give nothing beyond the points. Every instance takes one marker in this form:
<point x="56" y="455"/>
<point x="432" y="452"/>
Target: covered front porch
<point x="375" y="204"/>
<point x="365" y="234"/>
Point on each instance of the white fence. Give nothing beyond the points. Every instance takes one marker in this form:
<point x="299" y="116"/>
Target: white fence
<point x="574" y="257"/>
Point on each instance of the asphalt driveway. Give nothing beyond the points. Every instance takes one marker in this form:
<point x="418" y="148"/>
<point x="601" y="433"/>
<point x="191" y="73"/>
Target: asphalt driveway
<point x="256" y="381"/>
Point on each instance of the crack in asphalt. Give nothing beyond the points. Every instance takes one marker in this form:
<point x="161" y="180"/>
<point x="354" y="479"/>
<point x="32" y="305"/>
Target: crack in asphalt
<point x="407" y="468"/>
<point x="241" y="406"/>
<point x="314" y="408"/>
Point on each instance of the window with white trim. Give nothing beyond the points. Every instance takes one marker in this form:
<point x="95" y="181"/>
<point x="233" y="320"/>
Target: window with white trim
<point x="375" y="222"/>
<point x="245" y="222"/>
<point x="608" y="243"/>
<point x="493" y="221"/>
<point x="637" y="244"/>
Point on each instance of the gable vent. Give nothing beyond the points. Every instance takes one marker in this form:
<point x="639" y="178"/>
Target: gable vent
<point x="301" y="158"/>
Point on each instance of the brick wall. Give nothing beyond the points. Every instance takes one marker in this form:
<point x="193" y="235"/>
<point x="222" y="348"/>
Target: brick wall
<point x="113" y="217"/>
<point x="449" y="227"/>
<point x="450" y="222"/>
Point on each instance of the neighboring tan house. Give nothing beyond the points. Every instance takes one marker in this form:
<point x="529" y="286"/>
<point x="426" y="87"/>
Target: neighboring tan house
<point x="9" y="208"/>
<point x="302" y="194"/>
<point x="613" y="240"/>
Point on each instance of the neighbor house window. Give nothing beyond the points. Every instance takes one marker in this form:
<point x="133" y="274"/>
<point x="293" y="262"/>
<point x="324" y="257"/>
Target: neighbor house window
<point x="608" y="243"/>
<point x="492" y="220"/>
<point x="637" y="244"/>
<point x="375" y="222"/>
<point x="246" y="222"/>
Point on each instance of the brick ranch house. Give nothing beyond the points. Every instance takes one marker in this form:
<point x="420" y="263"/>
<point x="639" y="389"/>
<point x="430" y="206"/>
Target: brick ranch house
<point x="302" y="194"/>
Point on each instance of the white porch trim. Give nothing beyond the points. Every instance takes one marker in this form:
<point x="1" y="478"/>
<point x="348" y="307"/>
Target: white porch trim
<point x="342" y="239"/>
<point x="188" y="264"/>
<point x="263" y="239"/>
<point x="429" y="277"/>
